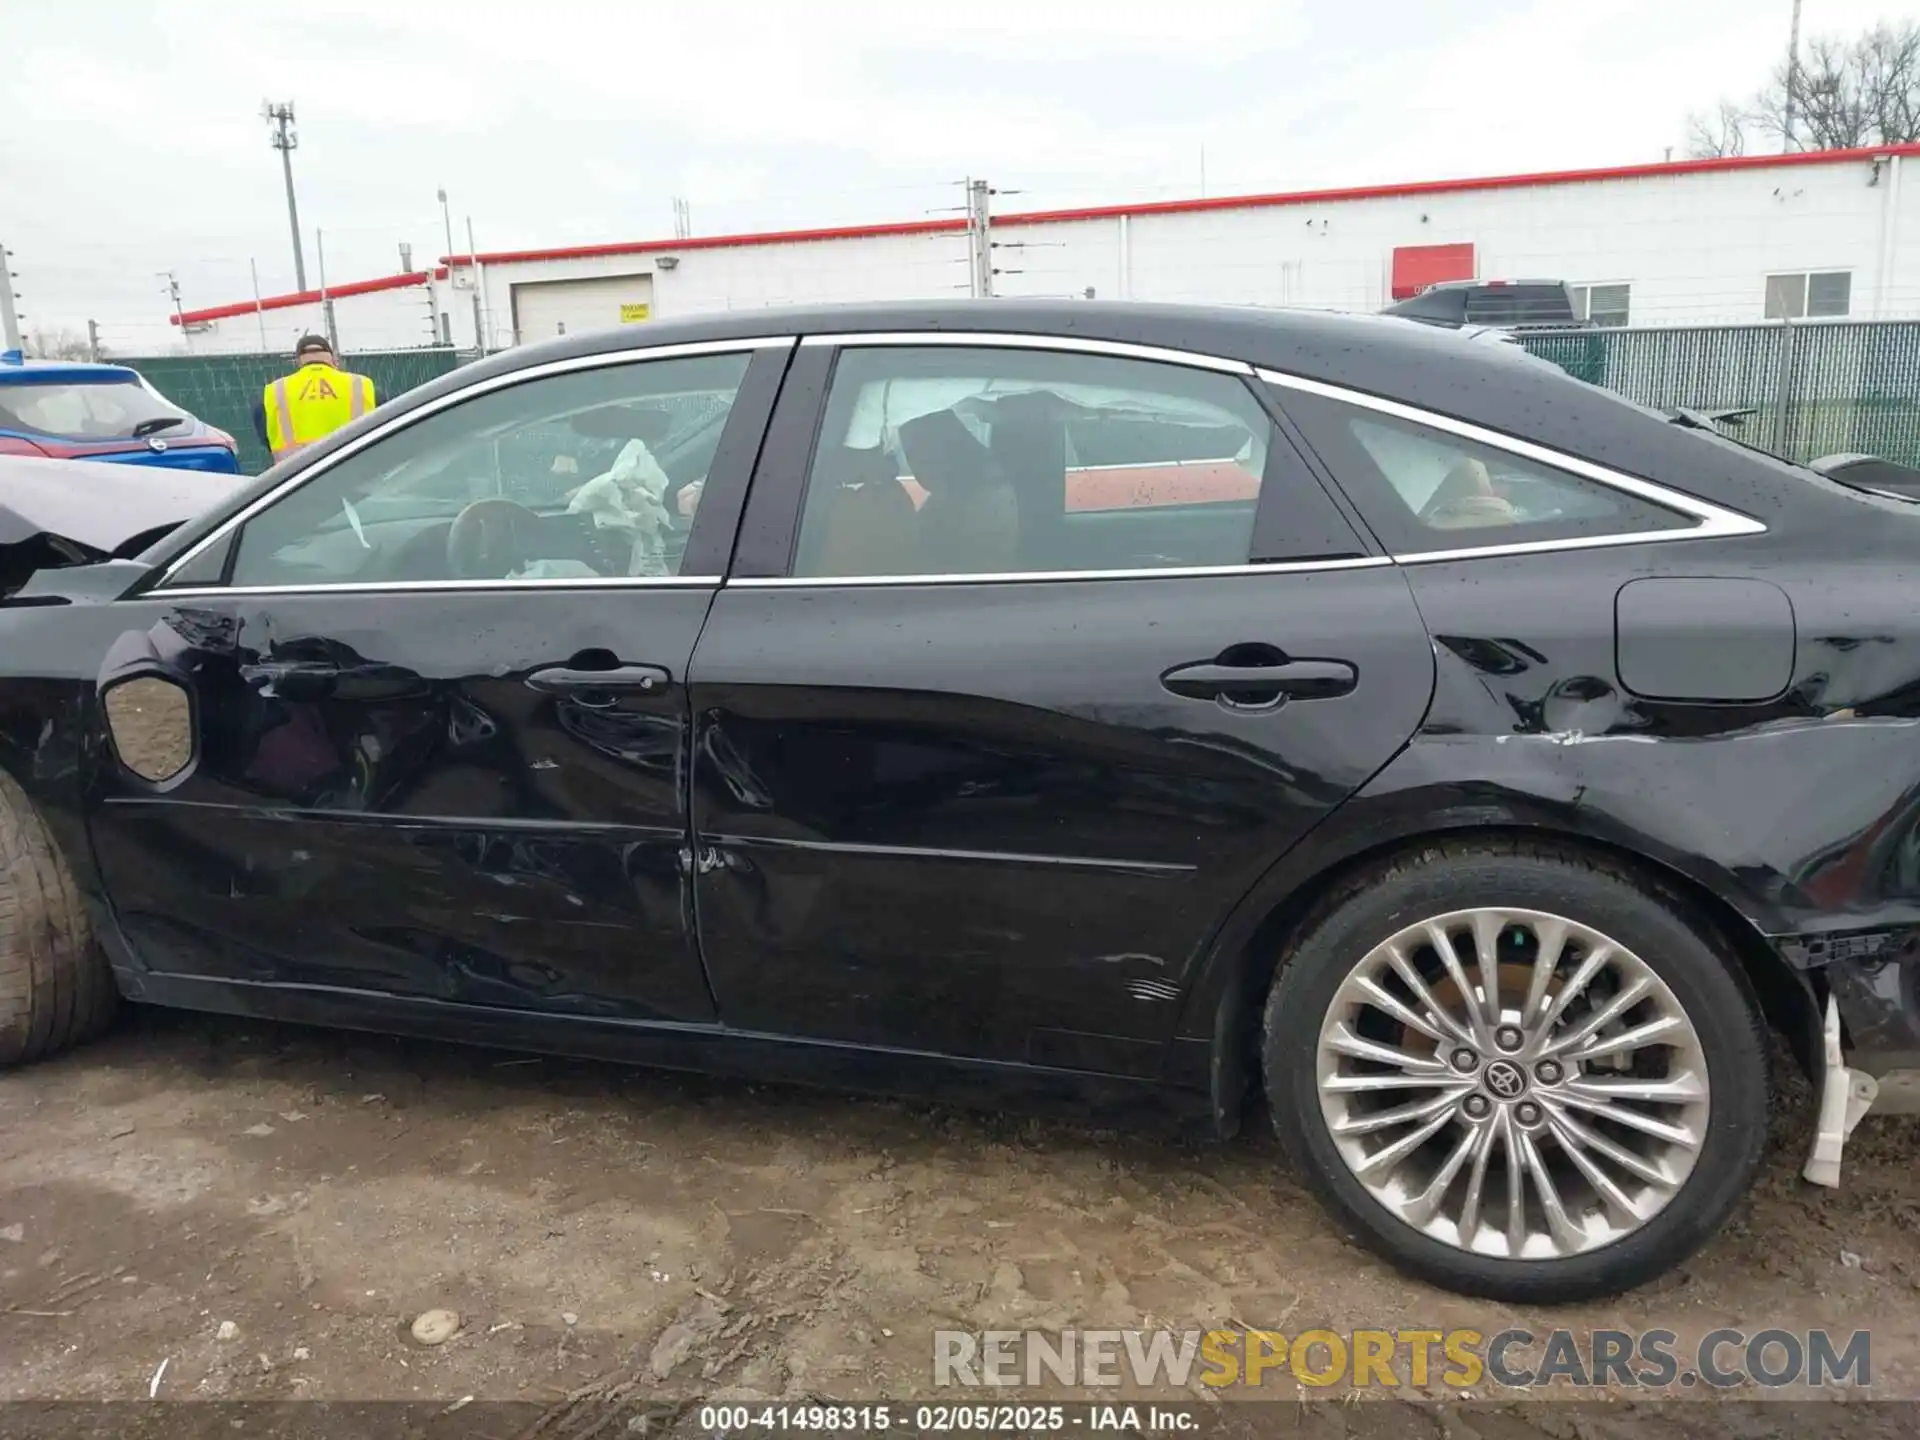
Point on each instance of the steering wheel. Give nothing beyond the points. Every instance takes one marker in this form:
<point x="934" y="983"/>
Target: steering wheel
<point x="489" y="538"/>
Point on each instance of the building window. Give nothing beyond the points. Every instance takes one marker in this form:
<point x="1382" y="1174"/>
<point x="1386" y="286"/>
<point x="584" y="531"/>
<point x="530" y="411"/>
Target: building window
<point x="1809" y="294"/>
<point x="1604" y="305"/>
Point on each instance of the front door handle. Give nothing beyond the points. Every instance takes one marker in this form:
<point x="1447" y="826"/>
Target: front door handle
<point x="558" y="679"/>
<point x="1258" y="686"/>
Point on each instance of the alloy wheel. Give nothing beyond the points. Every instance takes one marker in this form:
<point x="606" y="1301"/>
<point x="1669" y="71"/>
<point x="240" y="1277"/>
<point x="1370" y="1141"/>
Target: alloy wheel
<point x="1512" y="1083"/>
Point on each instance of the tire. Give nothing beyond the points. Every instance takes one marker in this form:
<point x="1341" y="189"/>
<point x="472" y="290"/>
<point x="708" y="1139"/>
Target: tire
<point x="1313" y="1021"/>
<point x="55" y="987"/>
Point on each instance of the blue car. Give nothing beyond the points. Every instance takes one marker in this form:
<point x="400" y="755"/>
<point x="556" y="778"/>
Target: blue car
<point x="62" y="410"/>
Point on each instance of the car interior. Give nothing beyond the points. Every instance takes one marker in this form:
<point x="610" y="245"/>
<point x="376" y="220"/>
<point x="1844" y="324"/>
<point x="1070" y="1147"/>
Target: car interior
<point x="1449" y="484"/>
<point x="986" y="486"/>
<point x="502" y="506"/>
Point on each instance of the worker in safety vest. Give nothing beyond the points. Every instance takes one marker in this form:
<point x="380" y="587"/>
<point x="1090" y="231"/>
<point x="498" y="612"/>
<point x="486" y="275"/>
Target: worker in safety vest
<point x="314" y="401"/>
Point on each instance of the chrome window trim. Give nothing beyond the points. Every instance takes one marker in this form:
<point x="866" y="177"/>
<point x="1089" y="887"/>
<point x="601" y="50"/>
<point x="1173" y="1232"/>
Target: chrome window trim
<point x="1571" y="542"/>
<point x="997" y="340"/>
<point x="1713" y="521"/>
<point x="542" y="371"/>
<point x="1018" y="577"/>
<point x="377" y="587"/>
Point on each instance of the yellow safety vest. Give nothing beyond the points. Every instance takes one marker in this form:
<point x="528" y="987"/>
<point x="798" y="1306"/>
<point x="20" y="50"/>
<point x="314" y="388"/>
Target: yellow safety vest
<point x="311" y="404"/>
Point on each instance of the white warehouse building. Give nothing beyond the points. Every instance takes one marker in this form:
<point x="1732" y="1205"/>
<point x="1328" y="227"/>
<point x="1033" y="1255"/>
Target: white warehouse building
<point x="1692" y="242"/>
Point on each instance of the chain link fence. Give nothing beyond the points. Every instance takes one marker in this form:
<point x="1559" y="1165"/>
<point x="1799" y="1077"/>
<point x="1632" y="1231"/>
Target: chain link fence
<point x="223" y="389"/>
<point x="1816" y="387"/>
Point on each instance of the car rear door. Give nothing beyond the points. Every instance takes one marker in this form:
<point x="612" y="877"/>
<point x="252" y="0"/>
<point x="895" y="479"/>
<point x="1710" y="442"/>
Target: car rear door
<point x="992" y="734"/>
<point x="439" y="716"/>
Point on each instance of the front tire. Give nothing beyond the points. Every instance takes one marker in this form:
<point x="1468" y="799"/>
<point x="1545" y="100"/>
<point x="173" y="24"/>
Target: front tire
<point x="1582" y="1132"/>
<point x="55" y="987"/>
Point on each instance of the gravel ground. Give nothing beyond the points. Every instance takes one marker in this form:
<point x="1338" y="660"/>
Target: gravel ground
<point x="265" y="1210"/>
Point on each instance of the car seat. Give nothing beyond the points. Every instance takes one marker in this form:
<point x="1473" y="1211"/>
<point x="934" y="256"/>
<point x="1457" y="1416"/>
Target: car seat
<point x="865" y="523"/>
<point x="970" y="523"/>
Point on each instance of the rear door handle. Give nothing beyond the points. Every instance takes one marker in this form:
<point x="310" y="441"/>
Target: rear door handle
<point x="1255" y="686"/>
<point x="560" y="679"/>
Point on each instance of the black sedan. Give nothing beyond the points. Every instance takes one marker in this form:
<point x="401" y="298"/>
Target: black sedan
<point x="1085" y="702"/>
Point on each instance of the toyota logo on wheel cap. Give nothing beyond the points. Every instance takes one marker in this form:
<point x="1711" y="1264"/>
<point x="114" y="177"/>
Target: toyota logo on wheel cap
<point x="1505" y="1079"/>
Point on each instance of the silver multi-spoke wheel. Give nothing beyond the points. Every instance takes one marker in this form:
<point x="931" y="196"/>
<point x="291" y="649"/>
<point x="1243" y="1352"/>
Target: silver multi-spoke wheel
<point x="1513" y="1083"/>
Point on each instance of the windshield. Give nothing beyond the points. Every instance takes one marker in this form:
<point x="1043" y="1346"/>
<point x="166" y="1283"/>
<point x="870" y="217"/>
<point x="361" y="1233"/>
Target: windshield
<point x="88" y="410"/>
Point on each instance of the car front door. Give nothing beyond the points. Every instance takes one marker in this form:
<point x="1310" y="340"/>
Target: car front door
<point x="1033" y="659"/>
<point x="439" y="700"/>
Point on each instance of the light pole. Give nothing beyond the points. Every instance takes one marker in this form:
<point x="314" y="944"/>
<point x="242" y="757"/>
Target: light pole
<point x="285" y="139"/>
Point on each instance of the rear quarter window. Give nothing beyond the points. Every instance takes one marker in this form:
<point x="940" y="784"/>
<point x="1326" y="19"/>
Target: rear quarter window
<point x="1424" y="489"/>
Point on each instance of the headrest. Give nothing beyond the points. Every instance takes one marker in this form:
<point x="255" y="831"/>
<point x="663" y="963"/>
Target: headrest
<point x="944" y="454"/>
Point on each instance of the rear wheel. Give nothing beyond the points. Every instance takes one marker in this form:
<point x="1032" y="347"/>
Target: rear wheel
<point x="55" y="987"/>
<point x="1517" y="1072"/>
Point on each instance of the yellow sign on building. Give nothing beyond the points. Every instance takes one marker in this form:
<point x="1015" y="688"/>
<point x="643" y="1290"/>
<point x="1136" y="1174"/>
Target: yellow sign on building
<point x="631" y="313"/>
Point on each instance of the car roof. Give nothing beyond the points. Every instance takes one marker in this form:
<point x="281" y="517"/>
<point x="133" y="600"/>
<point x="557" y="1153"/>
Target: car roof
<point x="1322" y="344"/>
<point x="18" y="369"/>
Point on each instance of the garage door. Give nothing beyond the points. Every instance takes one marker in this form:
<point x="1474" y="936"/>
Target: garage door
<point x="543" y="309"/>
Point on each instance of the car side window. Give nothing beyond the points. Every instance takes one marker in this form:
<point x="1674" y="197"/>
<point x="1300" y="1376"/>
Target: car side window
<point x="1421" y="488"/>
<point x="592" y="473"/>
<point x="957" y="460"/>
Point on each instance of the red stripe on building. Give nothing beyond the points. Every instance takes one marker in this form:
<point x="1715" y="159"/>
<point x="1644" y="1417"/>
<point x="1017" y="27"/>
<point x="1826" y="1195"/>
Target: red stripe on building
<point x="1184" y="207"/>
<point x="1060" y="217"/>
<point x="311" y="297"/>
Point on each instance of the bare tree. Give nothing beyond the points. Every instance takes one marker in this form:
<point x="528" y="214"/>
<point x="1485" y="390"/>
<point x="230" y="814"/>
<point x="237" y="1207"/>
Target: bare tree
<point x="57" y="345"/>
<point x="1722" y="133"/>
<point x="1845" y="94"/>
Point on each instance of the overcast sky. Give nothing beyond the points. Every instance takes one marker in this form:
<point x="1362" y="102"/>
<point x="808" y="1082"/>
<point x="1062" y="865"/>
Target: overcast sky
<point x="131" y="141"/>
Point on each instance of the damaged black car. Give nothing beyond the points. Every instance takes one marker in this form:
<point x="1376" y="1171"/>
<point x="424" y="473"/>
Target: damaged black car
<point x="1132" y="708"/>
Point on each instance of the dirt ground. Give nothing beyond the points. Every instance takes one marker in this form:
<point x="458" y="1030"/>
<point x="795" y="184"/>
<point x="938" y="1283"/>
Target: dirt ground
<point x="263" y="1211"/>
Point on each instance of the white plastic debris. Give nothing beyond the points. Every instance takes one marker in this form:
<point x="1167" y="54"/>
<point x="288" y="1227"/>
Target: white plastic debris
<point x="228" y="1330"/>
<point x="630" y="495"/>
<point x="1845" y="1096"/>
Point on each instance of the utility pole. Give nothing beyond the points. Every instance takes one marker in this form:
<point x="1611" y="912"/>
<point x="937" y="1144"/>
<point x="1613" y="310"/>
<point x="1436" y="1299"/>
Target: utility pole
<point x="446" y="316"/>
<point x="9" y="314"/>
<point x="1793" y="77"/>
<point x="172" y="292"/>
<point x="479" y="323"/>
<point x="326" y="304"/>
<point x="980" y="238"/>
<point x="93" y="341"/>
<point x="259" y="310"/>
<point x="433" y="312"/>
<point x="279" y="114"/>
